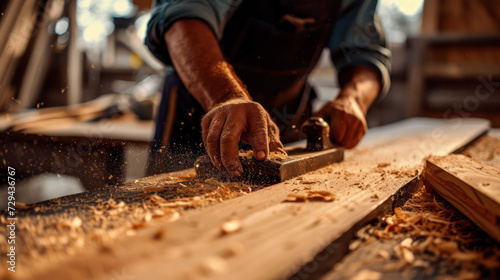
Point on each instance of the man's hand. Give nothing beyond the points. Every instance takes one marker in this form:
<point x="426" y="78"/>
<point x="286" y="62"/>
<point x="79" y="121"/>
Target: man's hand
<point x="231" y="116"/>
<point x="347" y="112"/>
<point x="234" y="120"/>
<point x="347" y="121"/>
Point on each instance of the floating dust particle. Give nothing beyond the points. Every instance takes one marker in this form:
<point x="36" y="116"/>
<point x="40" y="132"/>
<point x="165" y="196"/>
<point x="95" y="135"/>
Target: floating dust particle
<point x="231" y="226"/>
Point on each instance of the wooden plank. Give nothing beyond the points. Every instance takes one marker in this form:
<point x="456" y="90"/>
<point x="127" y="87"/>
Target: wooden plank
<point x="277" y="239"/>
<point x="470" y="185"/>
<point x="366" y="255"/>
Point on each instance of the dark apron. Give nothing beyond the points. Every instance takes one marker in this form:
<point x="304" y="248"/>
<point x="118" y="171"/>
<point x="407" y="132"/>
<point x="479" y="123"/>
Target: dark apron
<point x="273" y="45"/>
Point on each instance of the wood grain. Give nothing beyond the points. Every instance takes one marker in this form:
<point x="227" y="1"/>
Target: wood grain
<point x="471" y="186"/>
<point x="277" y="239"/>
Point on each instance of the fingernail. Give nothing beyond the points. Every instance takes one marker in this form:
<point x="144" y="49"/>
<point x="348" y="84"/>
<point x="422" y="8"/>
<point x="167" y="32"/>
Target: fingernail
<point x="261" y="155"/>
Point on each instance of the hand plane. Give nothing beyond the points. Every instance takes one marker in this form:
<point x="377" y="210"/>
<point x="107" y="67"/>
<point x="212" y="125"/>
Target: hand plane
<point x="318" y="152"/>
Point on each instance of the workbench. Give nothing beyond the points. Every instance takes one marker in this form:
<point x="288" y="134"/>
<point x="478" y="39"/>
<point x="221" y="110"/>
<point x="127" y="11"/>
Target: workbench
<point x="93" y="152"/>
<point x="176" y="226"/>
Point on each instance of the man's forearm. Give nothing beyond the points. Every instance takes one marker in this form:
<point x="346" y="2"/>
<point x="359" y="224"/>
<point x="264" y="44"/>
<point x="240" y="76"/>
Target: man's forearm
<point x="197" y="58"/>
<point x="363" y="85"/>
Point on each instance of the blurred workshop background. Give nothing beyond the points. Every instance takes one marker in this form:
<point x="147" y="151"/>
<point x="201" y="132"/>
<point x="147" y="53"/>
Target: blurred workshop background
<point x="79" y="90"/>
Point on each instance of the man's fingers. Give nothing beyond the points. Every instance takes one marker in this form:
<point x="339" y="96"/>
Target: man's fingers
<point x="258" y="130"/>
<point x="229" y="140"/>
<point x="213" y="139"/>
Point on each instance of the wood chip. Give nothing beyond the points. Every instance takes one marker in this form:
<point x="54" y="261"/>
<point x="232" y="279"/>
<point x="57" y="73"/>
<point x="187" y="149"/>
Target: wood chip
<point x="307" y="182"/>
<point x="384" y="254"/>
<point x="406" y="243"/>
<point x="296" y="197"/>
<point x="22" y="206"/>
<point x="160" y="234"/>
<point x="446" y="247"/>
<point x="394" y="266"/>
<point x="76" y="222"/>
<point x="408" y="255"/>
<point x="311" y="196"/>
<point x="231" y="226"/>
<point x="321" y="195"/>
<point x="213" y="265"/>
<point x="158" y="213"/>
<point x="367" y="274"/>
<point x="188" y="176"/>
<point x="421" y="263"/>
<point x="233" y="250"/>
<point x="174" y="216"/>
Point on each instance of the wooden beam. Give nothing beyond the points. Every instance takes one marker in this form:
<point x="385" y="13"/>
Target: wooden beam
<point x="430" y="17"/>
<point x="470" y="185"/>
<point x="280" y="239"/>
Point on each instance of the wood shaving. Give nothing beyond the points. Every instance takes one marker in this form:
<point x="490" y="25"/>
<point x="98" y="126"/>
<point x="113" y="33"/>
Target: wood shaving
<point x="384" y="254"/>
<point x="296" y="197"/>
<point x="231" y="226"/>
<point x="367" y="274"/>
<point x="310" y="196"/>
<point x="383" y="164"/>
<point x="213" y="265"/>
<point x="434" y="231"/>
<point x="22" y="206"/>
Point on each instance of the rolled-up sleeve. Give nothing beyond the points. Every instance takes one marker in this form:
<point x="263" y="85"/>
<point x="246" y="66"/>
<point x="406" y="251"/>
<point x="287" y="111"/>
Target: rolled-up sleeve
<point x="166" y="12"/>
<point x="358" y="40"/>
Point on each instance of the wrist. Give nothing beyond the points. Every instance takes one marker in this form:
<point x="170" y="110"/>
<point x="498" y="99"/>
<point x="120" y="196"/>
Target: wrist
<point x="363" y="87"/>
<point x="229" y="97"/>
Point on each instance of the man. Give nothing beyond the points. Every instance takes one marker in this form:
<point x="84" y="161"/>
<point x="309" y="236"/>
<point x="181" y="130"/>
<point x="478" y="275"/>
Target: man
<point x="241" y="70"/>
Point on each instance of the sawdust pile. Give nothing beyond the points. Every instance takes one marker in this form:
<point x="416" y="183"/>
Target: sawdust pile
<point x="433" y="232"/>
<point x="273" y="155"/>
<point x="51" y="231"/>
